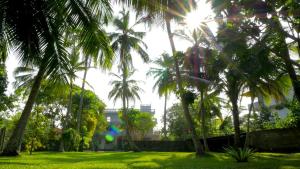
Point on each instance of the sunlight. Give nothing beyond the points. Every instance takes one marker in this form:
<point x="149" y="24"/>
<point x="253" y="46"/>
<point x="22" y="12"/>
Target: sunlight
<point x="198" y="16"/>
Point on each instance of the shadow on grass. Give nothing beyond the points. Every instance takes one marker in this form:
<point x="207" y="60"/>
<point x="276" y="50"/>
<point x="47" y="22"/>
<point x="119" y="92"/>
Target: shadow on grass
<point x="16" y="163"/>
<point x="217" y="161"/>
<point x="143" y="160"/>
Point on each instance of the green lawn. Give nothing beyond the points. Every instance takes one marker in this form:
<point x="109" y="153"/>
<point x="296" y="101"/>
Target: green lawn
<point x="123" y="160"/>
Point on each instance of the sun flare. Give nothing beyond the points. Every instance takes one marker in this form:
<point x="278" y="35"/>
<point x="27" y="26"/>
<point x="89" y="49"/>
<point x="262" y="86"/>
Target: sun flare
<point x="202" y="14"/>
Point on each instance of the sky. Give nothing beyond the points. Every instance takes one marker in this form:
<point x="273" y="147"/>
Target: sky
<point x="158" y="43"/>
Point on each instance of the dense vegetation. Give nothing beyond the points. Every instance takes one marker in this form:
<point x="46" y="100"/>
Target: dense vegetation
<point x="254" y="53"/>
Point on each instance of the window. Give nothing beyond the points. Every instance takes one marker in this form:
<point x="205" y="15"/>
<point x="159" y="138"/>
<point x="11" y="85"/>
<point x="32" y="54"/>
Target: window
<point x="108" y="119"/>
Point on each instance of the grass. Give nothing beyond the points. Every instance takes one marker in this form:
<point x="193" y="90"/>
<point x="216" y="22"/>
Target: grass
<point x="145" y="160"/>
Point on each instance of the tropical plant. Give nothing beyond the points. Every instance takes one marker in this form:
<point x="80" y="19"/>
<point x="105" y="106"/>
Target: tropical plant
<point x="240" y="154"/>
<point x="166" y="11"/>
<point x="36" y="130"/>
<point x="128" y="90"/>
<point x="92" y="114"/>
<point x="140" y="123"/>
<point x="165" y="82"/>
<point x="266" y="24"/>
<point x="75" y="66"/>
<point x="126" y="40"/>
<point x="36" y="30"/>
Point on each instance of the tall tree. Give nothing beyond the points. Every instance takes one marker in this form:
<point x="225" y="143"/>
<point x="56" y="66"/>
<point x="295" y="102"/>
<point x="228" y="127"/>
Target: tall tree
<point x="36" y="29"/>
<point x="126" y="89"/>
<point x="164" y="83"/>
<point x="268" y="20"/>
<point x="172" y="10"/>
<point x="126" y="40"/>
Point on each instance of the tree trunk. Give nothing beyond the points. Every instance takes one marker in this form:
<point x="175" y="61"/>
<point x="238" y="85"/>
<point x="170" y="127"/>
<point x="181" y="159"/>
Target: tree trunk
<point x="285" y="55"/>
<point x="197" y="144"/>
<point x="86" y="64"/>
<point x="14" y="144"/>
<point x="236" y="121"/>
<point x="248" y="121"/>
<point x="2" y="136"/>
<point x="132" y="146"/>
<point x="165" y="117"/>
<point x="203" y="122"/>
<point x="69" y="110"/>
<point x="31" y="147"/>
<point x="66" y="120"/>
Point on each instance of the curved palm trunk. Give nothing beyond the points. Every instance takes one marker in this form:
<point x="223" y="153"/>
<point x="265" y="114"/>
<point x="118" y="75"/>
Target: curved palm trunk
<point x="165" y="117"/>
<point x="14" y="143"/>
<point x="86" y="64"/>
<point x="248" y="121"/>
<point x="203" y="122"/>
<point x="66" y="121"/>
<point x="198" y="146"/>
<point x="285" y="55"/>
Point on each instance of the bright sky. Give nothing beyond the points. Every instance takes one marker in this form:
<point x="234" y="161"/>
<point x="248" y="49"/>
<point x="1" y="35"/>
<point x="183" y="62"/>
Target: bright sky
<point x="157" y="41"/>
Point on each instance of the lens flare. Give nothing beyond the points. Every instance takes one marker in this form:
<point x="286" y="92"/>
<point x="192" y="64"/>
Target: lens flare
<point x="112" y="132"/>
<point x="109" y="138"/>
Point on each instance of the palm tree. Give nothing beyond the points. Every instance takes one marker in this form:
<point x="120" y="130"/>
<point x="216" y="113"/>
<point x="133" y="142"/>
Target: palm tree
<point x="170" y="10"/>
<point x="196" y="63"/>
<point x="165" y="82"/>
<point x="262" y="78"/>
<point x="128" y="90"/>
<point x="75" y="66"/>
<point x="210" y="105"/>
<point x="126" y="40"/>
<point x="271" y="89"/>
<point x="270" y="28"/>
<point x="24" y="77"/>
<point x="36" y="30"/>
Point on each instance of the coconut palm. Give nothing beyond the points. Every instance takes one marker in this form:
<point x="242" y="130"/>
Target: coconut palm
<point x="126" y="40"/>
<point x="36" y="29"/>
<point x="128" y="90"/>
<point x="195" y="62"/>
<point x="262" y="78"/>
<point x="165" y="82"/>
<point x="271" y="28"/>
<point x="167" y="11"/>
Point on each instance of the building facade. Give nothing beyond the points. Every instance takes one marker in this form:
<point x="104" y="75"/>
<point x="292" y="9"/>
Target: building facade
<point x="112" y="117"/>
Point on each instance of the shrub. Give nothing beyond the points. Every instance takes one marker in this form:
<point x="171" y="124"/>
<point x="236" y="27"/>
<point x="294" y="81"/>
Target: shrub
<point x="71" y="139"/>
<point x="240" y="154"/>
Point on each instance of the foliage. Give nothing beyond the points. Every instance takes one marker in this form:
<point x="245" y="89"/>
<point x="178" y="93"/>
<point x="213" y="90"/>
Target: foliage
<point x="162" y="73"/>
<point x="125" y="87"/>
<point x="36" y="131"/>
<point x="6" y="102"/>
<point x="140" y="123"/>
<point x="71" y="139"/>
<point x="92" y="113"/>
<point x="240" y="154"/>
<point x="126" y="40"/>
<point x="177" y="126"/>
<point x="294" y="108"/>
<point x="226" y="126"/>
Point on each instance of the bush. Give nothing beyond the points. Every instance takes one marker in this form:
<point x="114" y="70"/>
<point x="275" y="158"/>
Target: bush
<point x="240" y="154"/>
<point x="71" y="140"/>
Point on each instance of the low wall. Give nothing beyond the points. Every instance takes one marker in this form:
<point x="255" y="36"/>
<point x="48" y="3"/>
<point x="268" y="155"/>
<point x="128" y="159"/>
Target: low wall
<point x="277" y="140"/>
